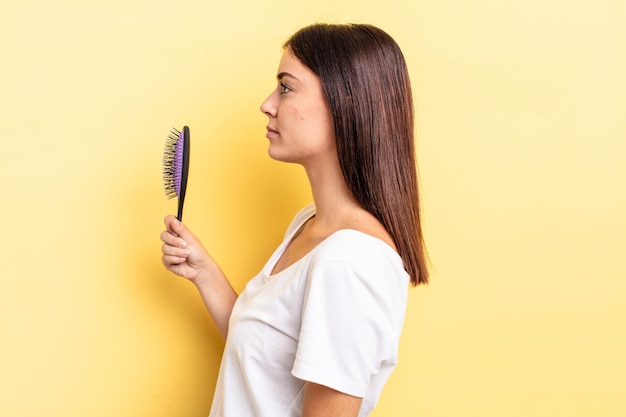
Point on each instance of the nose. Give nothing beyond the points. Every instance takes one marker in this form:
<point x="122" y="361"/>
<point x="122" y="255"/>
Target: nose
<point x="268" y="107"/>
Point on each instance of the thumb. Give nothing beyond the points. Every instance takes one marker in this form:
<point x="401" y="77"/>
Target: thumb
<point x="176" y="227"/>
<point x="180" y="230"/>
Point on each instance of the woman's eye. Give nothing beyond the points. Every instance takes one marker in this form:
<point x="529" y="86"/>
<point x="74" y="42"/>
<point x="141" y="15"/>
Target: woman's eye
<point x="284" y="88"/>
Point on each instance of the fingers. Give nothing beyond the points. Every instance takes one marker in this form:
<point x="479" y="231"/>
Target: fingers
<point x="177" y="228"/>
<point x="173" y="256"/>
<point x="171" y="239"/>
<point x="174" y="248"/>
<point x="170" y="262"/>
<point x="183" y="253"/>
<point x="179" y="234"/>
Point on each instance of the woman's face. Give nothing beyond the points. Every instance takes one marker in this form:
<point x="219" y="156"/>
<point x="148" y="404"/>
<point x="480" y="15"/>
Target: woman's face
<point x="300" y="127"/>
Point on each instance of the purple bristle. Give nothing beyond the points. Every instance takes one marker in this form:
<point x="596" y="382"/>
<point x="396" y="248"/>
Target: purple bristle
<point x="178" y="164"/>
<point x="173" y="163"/>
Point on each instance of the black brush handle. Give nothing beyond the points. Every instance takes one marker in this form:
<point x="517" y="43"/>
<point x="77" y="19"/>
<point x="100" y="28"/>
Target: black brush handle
<point x="184" y="173"/>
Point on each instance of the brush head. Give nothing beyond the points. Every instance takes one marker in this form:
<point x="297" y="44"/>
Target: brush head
<point x="176" y="166"/>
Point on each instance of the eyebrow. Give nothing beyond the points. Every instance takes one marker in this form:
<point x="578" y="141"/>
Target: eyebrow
<point x="282" y="75"/>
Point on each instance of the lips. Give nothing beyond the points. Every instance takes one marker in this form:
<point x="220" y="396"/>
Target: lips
<point x="271" y="132"/>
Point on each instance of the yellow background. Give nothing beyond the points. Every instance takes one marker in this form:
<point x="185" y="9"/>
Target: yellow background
<point x="522" y="152"/>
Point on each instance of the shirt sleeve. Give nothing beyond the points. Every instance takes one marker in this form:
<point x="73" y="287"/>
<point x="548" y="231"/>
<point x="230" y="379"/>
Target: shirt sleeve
<point x="351" y="323"/>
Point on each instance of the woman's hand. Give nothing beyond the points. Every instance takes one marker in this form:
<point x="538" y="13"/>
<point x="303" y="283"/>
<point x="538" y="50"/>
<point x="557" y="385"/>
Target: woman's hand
<point x="183" y="253"/>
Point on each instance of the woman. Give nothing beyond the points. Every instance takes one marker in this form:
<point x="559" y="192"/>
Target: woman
<point x="316" y="332"/>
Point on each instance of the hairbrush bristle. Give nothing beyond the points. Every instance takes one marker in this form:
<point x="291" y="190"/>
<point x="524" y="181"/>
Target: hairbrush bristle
<point x="176" y="166"/>
<point x="172" y="163"/>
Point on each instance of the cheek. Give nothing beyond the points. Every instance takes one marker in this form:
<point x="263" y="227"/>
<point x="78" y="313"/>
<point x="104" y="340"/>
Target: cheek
<point x="310" y="123"/>
<point x="324" y="124"/>
<point x="316" y="115"/>
<point x="290" y="114"/>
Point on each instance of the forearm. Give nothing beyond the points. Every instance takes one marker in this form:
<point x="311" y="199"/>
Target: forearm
<point x="218" y="296"/>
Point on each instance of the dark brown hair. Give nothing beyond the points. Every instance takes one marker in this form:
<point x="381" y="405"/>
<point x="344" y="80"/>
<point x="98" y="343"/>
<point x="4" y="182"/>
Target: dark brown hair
<point x="366" y="83"/>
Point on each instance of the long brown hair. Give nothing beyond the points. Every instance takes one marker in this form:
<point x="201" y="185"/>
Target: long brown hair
<point x="366" y="83"/>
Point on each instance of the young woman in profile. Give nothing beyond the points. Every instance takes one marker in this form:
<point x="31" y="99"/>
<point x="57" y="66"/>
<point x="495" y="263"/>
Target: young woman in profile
<point x="316" y="332"/>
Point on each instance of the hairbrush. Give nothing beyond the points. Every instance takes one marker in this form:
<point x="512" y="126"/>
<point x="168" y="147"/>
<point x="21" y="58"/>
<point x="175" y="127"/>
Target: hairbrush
<point x="176" y="166"/>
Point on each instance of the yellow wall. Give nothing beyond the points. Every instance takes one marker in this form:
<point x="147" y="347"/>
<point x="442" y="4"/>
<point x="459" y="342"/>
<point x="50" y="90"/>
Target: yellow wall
<point x="522" y="128"/>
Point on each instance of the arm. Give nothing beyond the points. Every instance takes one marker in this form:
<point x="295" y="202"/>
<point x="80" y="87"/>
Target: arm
<point x="322" y="401"/>
<point x="184" y="255"/>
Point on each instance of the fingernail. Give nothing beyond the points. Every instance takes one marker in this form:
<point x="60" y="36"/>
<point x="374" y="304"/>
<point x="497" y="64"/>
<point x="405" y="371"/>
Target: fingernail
<point x="183" y="244"/>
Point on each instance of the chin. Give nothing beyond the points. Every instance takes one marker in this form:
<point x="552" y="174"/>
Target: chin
<point x="275" y="153"/>
<point x="277" y="156"/>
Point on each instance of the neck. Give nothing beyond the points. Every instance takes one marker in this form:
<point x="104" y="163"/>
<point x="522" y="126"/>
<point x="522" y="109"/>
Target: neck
<point x="333" y="199"/>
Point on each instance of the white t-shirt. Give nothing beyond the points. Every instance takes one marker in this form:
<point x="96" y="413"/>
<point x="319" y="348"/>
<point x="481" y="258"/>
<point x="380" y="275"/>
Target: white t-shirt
<point x="334" y="318"/>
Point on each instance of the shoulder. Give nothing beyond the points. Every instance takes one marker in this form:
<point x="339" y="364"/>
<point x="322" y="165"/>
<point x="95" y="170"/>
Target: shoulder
<point x="353" y="270"/>
<point x="365" y="222"/>
<point x="368" y="257"/>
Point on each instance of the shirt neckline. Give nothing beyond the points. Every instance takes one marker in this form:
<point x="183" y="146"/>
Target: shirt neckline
<point x="271" y="263"/>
